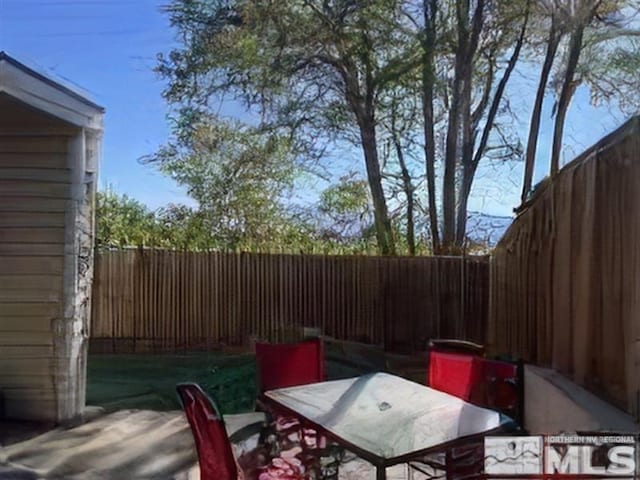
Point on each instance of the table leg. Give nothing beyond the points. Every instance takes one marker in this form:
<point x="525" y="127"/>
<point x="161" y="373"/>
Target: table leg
<point x="381" y="473"/>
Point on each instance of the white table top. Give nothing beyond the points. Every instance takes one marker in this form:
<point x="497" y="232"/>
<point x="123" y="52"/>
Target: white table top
<point x="385" y="415"/>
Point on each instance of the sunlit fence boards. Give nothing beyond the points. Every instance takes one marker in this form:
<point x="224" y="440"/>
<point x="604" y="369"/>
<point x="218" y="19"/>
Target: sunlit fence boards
<point x="566" y="276"/>
<point x="155" y="300"/>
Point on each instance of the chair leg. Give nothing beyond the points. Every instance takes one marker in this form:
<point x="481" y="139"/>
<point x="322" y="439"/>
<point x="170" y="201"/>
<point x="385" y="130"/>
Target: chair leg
<point x="410" y="471"/>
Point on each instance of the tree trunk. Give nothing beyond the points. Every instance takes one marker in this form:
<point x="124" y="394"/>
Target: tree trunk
<point x="470" y="166"/>
<point x="407" y="186"/>
<point x="568" y="87"/>
<point x="384" y="234"/>
<point x="465" y="71"/>
<point x="534" y="126"/>
<point x="467" y="158"/>
<point x="362" y="103"/>
<point x="428" y="78"/>
<point x="452" y="150"/>
<point x="468" y="173"/>
<point x="449" y="178"/>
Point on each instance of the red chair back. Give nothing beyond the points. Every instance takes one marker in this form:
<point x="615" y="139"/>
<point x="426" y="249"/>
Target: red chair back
<point x="455" y="373"/>
<point x="288" y="365"/>
<point x="503" y="387"/>
<point x="215" y="455"/>
<point x="487" y="383"/>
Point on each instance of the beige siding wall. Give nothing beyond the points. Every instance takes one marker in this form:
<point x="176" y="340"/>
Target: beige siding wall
<point x="34" y="191"/>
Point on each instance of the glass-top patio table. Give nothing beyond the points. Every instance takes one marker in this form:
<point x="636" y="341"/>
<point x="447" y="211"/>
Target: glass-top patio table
<point x="385" y="419"/>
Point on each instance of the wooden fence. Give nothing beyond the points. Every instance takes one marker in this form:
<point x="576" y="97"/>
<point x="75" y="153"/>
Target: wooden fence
<point x="154" y="300"/>
<point x="565" y="278"/>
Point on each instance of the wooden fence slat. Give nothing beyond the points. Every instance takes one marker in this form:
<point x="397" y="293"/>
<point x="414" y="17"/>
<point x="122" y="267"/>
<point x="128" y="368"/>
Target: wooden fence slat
<point x="564" y="275"/>
<point x="171" y="301"/>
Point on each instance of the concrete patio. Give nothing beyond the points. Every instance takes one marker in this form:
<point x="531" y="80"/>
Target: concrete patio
<point x="131" y="444"/>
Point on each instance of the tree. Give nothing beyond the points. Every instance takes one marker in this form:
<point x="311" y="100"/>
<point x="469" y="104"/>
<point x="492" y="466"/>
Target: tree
<point x="401" y="160"/>
<point x="480" y="42"/>
<point x="579" y="17"/>
<point x="345" y="213"/>
<point x="600" y="52"/>
<point x="314" y="67"/>
<point x="122" y="221"/>
<point x="379" y="74"/>
<point x="184" y="228"/>
<point x="555" y="34"/>
<point x="428" y="71"/>
<point x="239" y="177"/>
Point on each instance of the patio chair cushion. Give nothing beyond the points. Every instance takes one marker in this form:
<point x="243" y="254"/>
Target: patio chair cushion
<point x="288" y="365"/>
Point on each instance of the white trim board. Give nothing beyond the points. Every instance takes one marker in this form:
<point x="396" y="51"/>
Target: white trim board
<point x="46" y="95"/>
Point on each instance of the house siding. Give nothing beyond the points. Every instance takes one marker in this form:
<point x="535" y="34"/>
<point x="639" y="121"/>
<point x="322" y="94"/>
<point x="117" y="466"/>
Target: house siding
<point x="34" y="191"/>
<point x="50" y="139"/>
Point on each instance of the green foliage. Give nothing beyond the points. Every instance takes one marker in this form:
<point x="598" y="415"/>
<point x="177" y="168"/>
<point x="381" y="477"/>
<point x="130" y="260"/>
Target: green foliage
<point x="376" y="75"/>
<point x="125" y="222"/>
<point x="312" y="71"/>
<point x="241" y="179"/>
<point x="183" y="228"/>
<point x="350" y="196"/>
<point x="346" y="211"/>
<point x="122" y="221"/>
<point x="609" y="68"/>
<point x="286" y="59"/>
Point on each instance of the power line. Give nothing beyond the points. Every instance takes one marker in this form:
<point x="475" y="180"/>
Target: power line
<point x="73" y="3"/>
<point x="32" y="18"/>
<point x="106" y="33"/>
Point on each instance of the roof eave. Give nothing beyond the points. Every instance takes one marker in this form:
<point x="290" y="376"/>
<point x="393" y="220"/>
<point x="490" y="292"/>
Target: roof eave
<point x="47" y="95"/>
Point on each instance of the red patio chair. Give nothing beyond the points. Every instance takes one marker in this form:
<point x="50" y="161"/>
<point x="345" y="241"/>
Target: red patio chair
<point x="487" y="383"/>
<point x="456" y="373"/>
<point x="289" y="365"/>
<point x="483" y="382"/>
<point x="215" y="455"/>
<point x="504" y="387"/>
<point x="461" y="375"/>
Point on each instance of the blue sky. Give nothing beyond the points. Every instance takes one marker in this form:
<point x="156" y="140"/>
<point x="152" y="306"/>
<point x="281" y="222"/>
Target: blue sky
<point x="108" y="47"/>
